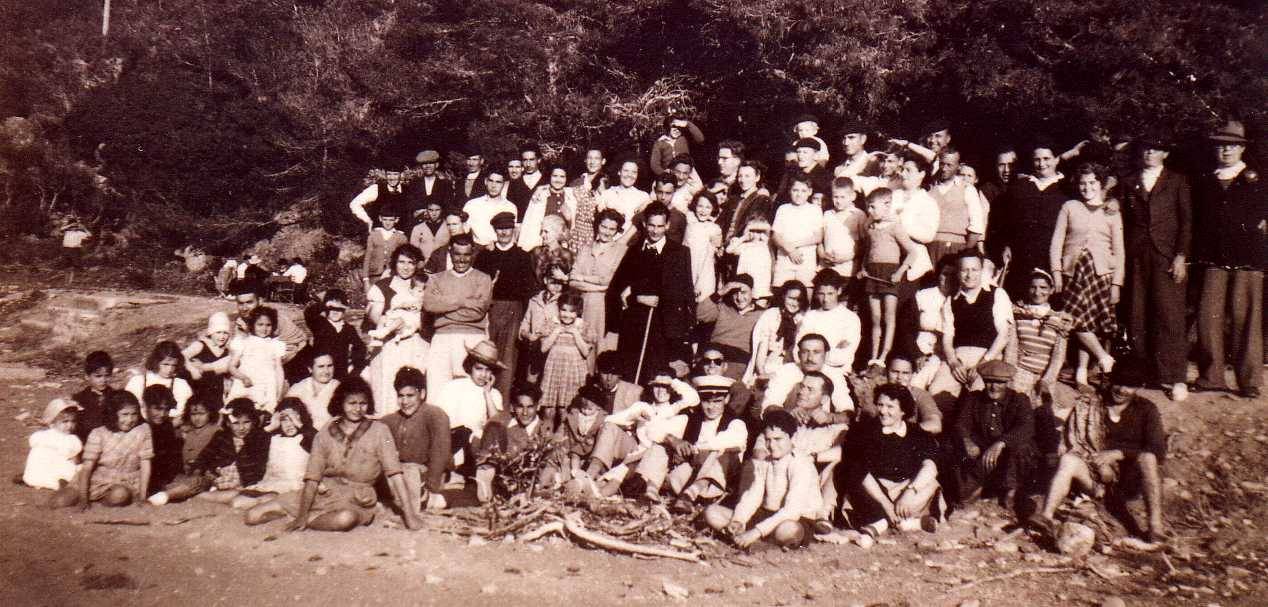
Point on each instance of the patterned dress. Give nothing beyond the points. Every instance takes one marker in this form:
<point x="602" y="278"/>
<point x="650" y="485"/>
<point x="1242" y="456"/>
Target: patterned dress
<point x="582" y="232"/>
<point x="1088" y="298"/>
<point x="118" y="456"/>
<point x="564" y="372"/>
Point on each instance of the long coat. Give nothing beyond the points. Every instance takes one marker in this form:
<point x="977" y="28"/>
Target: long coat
<point x="668" y="276"/>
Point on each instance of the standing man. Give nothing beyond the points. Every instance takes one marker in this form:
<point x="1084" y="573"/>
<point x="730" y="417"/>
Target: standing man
<point x="730" y="155"/>
<point x="429" y="188"/>
<point x="480" y="210"/>
<point x="961" y="220"/>
<point x="1158" y="220"/>
<point x="469" y="187"/>
<point x="458" y="301"/>
<point x="1232" y="229"/>
<point x="857" y="161"/>
<point x="520" y="190"/>
<point x="654" y="320"/>
<point x="1005" y="160"/>
<point x="513" y="280"/>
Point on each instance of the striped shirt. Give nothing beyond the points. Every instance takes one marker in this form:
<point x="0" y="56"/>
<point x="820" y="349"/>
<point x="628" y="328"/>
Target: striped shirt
<point x="1039" y="328"/>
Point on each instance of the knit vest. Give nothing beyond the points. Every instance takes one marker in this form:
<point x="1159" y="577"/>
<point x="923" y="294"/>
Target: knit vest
<point x="695" y="420"/>
<point x="954" y="218"/>
<point x="974" y="322"/>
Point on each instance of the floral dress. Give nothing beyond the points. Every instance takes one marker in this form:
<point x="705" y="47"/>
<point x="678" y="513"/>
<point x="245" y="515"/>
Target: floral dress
<point x="564" y="372"/>
<point x="119" y="456"/>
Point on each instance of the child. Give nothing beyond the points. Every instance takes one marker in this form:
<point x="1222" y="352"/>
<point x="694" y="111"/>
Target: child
<point x="163" y="367"/>
<point x="753" y="256"/>
<point x="542" y="315"/>
<point x="197" y="429"/>
<point x="703" y="238"/>
<point x="508" y="436"/>
<point x="116" y="468"/>
<point x="235" y="457"/>
<point x="291" y="438"/>
<point x="807" y="127"/>
<point x="567" y="349"/>
<point x="98" y="368"/>
<point x="168" y="462"/>
<point x="207" y="361"/>
<point x="579" y="430"/>
<point x="333" y="334"/>
<point x="399" y="322"/>
<point x="54" y="455"/>
<point x="73" y="237"/>
<point x="256" y="361"/>
<point x="887" y="244"/>
<point x="316" y="389"/>
<point x="843" y="229"/>
<point x="380" y="244"/>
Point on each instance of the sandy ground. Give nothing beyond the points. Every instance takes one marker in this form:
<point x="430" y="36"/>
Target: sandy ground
<point x="201" y="553"/>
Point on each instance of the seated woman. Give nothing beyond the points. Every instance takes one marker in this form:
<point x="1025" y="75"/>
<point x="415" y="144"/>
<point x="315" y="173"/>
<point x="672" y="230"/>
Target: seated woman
<point x="1118" y="442"/>
<point x="782" y="500"/>
<point x="895" y="478"/>
<point x="347" y="458"/>
<point x="628" y="433"/>
<point x="235" y="457"/>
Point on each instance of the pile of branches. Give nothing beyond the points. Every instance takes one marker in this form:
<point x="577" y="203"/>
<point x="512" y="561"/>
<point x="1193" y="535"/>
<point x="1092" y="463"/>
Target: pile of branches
<point x="522" y="510"/>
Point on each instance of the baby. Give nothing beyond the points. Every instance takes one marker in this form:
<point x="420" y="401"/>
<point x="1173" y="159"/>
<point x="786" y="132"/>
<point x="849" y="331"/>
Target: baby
<point x="753" y="256"/>
<point x="397" y="324"/>
<point x="54" y="456"/>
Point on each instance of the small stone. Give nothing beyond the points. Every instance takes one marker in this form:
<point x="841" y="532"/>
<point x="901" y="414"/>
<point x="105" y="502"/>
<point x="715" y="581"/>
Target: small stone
<point x="199" y="571"/>
<point x="432" y="579"/>
<point x="1006" y="547"/>
<point x="1113" y="601"/>
<point x="21" y="416"/>
<point x="675" y="591"/>
<point x="757" y="582"/>
<point x="321" y="571"/>
<point x="535" y="548"/>
<point x="1074" y="539"/>
<point x="1237" y="572"/>
<point x="489" y="589"/>
<point x="477" y="541"/>
<point x="193" y="535"/>
<point x="971" y="603"/>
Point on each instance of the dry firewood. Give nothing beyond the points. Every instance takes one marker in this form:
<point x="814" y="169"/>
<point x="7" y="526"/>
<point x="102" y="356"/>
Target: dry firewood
<point x="572" y="523"/>
<point x="121" y="521"/>
<point x="544" y="530"/>
<point x="521" y="523"/>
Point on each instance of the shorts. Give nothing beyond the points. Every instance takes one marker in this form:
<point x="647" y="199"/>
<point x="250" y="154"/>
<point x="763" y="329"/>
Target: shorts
<point x="883" y="271"/>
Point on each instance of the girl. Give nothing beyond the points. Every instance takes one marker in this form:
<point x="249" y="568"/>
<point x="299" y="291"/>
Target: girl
<point x="290" y="442"/>
<point x="775" y="333"/>
<point x="54" y="455"/>
<point x="539" y="320"/>
<point x="887" y="244"/>
<point x="578" y="431"/>
<point x="197" y="429"/>
<point x="255" y="361"/>
<point x="116" y="468"/>
<point x="207" y="361"/>
<point x="157" y="401"/>
<point x="1088" y="265"/>
<point x="704" y="239"/>
<point x="315" y="390"/>
<point x="235" y="457"/>
<point x="567" y="348"/>
<point x="163" y="367"/>
<point x="798" y="231"/>
<point x="753" y="256"/>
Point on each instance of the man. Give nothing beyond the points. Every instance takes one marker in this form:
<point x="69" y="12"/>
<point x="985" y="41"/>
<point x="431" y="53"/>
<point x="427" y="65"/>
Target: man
<point x="1025" y="218"/>
<point x="470" y="186"/>
<point x="431" y="231"/>
<point x="624" y="197"/>
<point x="898" y="372"/>
<point x="812" y="353"/>
<point x="480" y="210"/>
<point x="700" y="451"/>
<point x="1117" y="443"/>
<point x="665" y="190"/>
<point x="976" y="323"/>
<point x="782" y="500"/>
<point x="421" y="432"/>
<point x="393" y="192"/>
<point x="618" y="394"/>
<point x="730" y="155"/>
<point x="821" y="433"/>
<point x="683" y="170"/>
<point x="1005" y="161"/>
<point x="807" y="165"/>
<point x="832" y="319"/>
<point x="521" y="188"/>
<point x="741" y="401"/>
<point x="513" y="283"/>
<point x="961" y="218"/>
<point x="430" y="188"/>
<point x="655" y="319"/>
<point x="994" y="436"/>
<point x="857" y="161"/>
<point x="290" y="333"/>
<point x="1233" y="236"/>
<point x="458" y="302"/>
<point x="439" y="260"/>
<point x="1158" y="220"/>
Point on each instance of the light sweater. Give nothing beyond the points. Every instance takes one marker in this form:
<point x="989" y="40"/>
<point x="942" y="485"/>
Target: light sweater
<point x="1083" y="227"/>
<point x="460" y="303"/>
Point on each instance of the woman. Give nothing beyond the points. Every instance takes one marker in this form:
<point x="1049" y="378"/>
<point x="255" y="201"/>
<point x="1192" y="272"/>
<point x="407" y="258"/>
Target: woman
<point x="587" y="188"/>
<point x="595" y="264"/>
<point x="396" y="297"/>
<point x="555" y="198"/>
<point x="1041" y="337"/>
<point x="1024" y="217"/>
<point x="1087" y="260"/>
<point x="775" y="333"/>
<point x="798" y="230"/>
<point x="733" y="323"/>
<point x="552" y="251"/>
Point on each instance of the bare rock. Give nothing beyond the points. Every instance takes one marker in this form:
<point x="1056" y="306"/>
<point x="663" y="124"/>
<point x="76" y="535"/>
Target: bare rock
<point x="1113" y="601"/>
<point x="1074" y="539"/>
<point x="674" y="591"/>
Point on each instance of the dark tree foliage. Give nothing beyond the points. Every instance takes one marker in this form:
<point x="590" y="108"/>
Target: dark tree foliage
<point x="221" y="113"/>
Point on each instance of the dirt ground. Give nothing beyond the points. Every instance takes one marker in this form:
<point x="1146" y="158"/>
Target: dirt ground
<point x="201" y="553"/>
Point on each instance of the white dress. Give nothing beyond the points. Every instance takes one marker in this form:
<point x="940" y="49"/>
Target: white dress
<point x="179" y="387"/>
<point x="285" y="469"/>
<point x="800" y="227"/>
<point x="52" y="459"/>
<point x="260" y="357"/>
<point x="702" y="239"/>
<point x="407" y="301"/>
<point x="316" y="399"/>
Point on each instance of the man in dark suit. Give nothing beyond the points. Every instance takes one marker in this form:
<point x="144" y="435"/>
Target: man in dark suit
<point x="520" y="189"/>
<point x="427" y="189"/>
<point x="470" y="182"/>
<point x="657" y="272"/>
<point x="1158" y="219"/>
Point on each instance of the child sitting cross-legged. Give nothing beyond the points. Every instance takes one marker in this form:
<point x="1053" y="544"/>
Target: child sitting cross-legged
<point x="116" y="468"/>
<point x="235" y="457"/>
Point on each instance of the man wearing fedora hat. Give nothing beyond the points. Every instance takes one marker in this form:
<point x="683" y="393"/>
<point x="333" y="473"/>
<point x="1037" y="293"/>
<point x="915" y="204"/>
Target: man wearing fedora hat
<point x="1232" y="229"/>
<point x="1158" y="220"/>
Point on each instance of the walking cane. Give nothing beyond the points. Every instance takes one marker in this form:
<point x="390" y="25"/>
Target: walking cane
<point x="647" y="329"/>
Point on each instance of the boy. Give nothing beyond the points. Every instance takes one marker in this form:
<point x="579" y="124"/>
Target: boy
<point x="380" y="244"/>
<point x="332" y="333"/>
<point x="510" y="435"/>
<point x="98" y="369"/>
<point x="168" y="457"/>
<point x="421" y="431"/>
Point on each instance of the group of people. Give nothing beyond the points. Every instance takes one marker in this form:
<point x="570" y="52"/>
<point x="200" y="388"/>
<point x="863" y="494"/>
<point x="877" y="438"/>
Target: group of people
<point x="703" y="343"/>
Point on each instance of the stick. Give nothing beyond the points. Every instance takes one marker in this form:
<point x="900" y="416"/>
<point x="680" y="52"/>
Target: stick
<point x="121" y="521"/>
<point x="523" y="522"/>
<point x="542" y="531"/>
<point x="573" y="524"/>
<point x="1007" y="576"/>
<point x="647" y="330"/>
